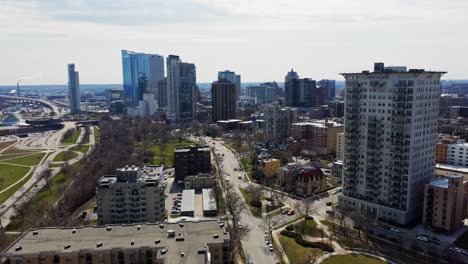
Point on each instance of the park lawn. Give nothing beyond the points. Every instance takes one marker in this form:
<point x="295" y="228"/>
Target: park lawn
<point x="96" y="134"/>
<point x="30" y="160"/>
<point x="248" y="196"/>
<point x="81" y="148"/>
<point x="10" y="174"/>
<point x="8" y="193"/>
<point x="352" y="259"/>
<point x="296" y="253"/>
<point x="166" y="156"/>
<point x="18" y="151"/>
<point x="308" y="228"/>
<point x="72" y="139"/>
<point x="61" y="156"/>
<point x="331" y="225"/>
<point x="17" y="155"/>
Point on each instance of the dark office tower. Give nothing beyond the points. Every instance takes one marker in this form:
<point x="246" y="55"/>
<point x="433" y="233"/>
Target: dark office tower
<point x="291" y="75"/>
<point x="300" y="92"/>
<point x="73" y="90"/>
<point x="191" y="161"/>
<point x="134" y="67"/>
<point x="161" y="94"/>
<point x="319" y="96"/>
<point x="223" y="100"/>
<point x="329" y="89"/>
<point x="232" y="77"/>
<point x="181" y="85"/>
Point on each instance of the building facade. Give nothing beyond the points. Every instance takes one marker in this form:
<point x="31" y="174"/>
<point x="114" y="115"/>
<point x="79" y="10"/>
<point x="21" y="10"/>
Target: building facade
<point x="340" y="146"/>
<point x="233" y="78"/>
<point x="191" y="161"/>
<point x="132" y="195"/>
<point x="191" y="242"/>
<point x="302" y="180"/>
<point x="390" y="139"/>
<point x="199" y="181"/>
<point x="445" y="203"/>
<point x="300" y="92"/>
<point x="457" y="154"/>
<point x="181" y="86"/>
<point x="263" y="94"/>
<point x="223" y="99"/>
<point x="277" y="121"/>
<point x="328" y="87"/>
<point x="74" y="95"/>
<point x="138" y="69"/>
<point x="443" y="141"/>
<point x="320" y="135"/>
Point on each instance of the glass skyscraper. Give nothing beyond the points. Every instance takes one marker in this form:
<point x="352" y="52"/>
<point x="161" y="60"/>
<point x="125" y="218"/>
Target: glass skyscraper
<point x="141" y="73"/>
<point x="74" y="90"/>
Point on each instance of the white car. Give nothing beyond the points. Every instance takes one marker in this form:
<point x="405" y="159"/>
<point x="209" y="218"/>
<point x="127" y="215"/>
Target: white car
<point x="422" y="238"/>
<point x="394" y="229"/>
<point x="270" y="247"/>
<point x="239" y="225"/>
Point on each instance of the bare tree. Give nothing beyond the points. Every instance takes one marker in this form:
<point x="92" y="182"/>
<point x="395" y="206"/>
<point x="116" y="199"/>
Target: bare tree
<point x="47" y="177"/>
<point x="234" y="203"/>
<point x="305" y="209"/>
<point x="269" y="223"/>
<point x="342" y="213"/>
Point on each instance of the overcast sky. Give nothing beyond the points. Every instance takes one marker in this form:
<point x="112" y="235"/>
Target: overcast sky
<point x="260" y="39"/>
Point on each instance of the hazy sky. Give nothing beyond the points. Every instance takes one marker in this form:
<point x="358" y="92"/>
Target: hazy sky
<point x="260" y="39"/>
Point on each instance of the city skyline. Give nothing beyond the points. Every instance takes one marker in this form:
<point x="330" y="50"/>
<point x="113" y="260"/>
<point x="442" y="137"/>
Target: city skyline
<point x="317" y="39"/>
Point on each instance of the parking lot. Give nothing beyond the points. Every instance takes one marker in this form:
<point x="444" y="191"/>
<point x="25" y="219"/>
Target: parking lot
<point x="174" y="199"/>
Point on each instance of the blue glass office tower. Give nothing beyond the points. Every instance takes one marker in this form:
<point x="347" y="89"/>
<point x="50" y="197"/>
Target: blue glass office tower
<point x="74" y="90"/>
<point x="141" y="73"/>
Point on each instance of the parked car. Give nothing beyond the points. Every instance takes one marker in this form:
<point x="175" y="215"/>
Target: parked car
<point x="290" y="212"/>
<point x="394" y="229"/>
<point x="422" y="238"/>
<point x="270" y="247"/>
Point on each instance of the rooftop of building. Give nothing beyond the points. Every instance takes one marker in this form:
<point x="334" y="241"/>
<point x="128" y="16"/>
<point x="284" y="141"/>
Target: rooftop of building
<point x="200" y="175"/>
<point x="188" y="201"/>
<point x="459" y="144"/>
<point x="443" y="182"/>
<point x="146" y="174"/>
<point x="453" y="168"/>
<point x="54" y="239"/>
<point x="192" y="148"/>
<point x="229" y="121"/>
<point x="209" y="200"/>
<point x="380" y="68"/>
<point x="318" y="123"/>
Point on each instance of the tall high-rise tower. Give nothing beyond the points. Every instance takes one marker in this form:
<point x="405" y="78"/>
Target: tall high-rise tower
<point x="74" y="90"/>
<point x="223" y="99"/>
<point x="390" y="140"/>
<point x="232" y="77"/>
<point x="136" y="66"/>
<point x="181" y="84"/>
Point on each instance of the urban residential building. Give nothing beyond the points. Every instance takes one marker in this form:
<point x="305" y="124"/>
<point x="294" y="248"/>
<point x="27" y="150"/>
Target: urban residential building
<point x="191" y="161"/>
<point x="328" y="88"/>
<point x="340" y="146"/>
<point x="181" y="88"/>
<point x="161" y="95"/>
<point x="74" y="95"/>
<point x="132" y="195"/>
<point x="148" y="106"/>
<point x="267" y="167"/>
<point x="302" y="180"/>
<point x="263" y="93"/>
<point x="199" y="181"/>
<point x="141" y="74"/>
<point x="320" y="135"/>
<point x="457" y="154"/>
<point x="233" y="78"/>
<point x="443" y="141"/>
<point x="390" y="139"/>
<point x="443" y="170"/>
<point x="198" y="242"/>
<point x="277" y="121"/>
<point x="445" y="203"/>
<point x="223" y="99"/>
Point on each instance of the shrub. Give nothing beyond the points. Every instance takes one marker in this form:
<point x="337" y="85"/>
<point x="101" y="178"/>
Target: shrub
<point x="289" y="234"/>
<point x="299" y="240"/>
<point x="256" y="203"/>
<point x="290" y="228"/>
<point x="308" y="217"/>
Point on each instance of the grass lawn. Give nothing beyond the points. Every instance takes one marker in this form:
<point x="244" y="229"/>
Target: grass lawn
<point x="352" y="259"/>
<point x="246" y="164"/>
<point x="257" y="212"/>
<point x="10" y="238"/>
<point x="29" y="160"/>
<point x="308" y="228"/>
<point x="72" y="139"/>
<point x="61" y="156"/>
<point x="166" y="155"/>
<point x="296" y="253"/>
<point x="10" y="174"/>
<point x="17" y="155"/>
<point x="81" y="148"/>
<point x="8" y="193"/>
<point x="96" y="134"/>
<point x="17" y="151"/>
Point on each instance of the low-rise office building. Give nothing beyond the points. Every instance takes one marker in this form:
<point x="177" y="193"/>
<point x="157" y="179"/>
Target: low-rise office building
<point x="132" y="195"/>
<point x="187" y="207"/>
<point x="191" y="161"/>
<point x="445" y="203"/>
<point x="209" y="202"/>
<point x="199" y="181"/>
<point x="196" y="243"/>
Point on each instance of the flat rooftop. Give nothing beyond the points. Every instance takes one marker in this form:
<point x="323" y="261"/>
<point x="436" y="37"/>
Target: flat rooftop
<point x="188" y="201"/>
<point x="196" y="235"/>
<point x="453" y="168"/>
<point x="188" y="149"/>
<point x="209" y="200"/>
